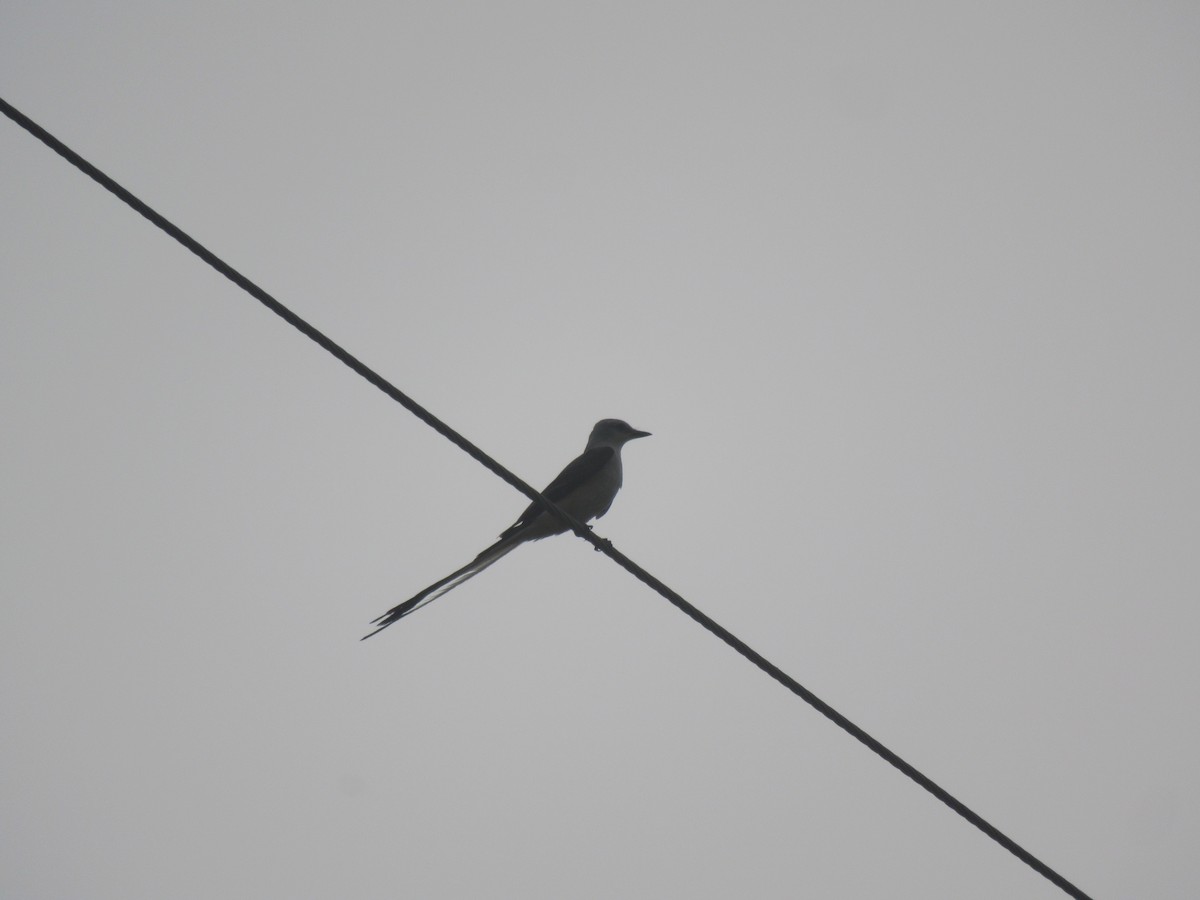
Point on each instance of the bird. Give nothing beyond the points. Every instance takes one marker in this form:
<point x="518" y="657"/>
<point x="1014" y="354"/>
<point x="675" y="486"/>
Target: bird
<point x="585" y="489"/>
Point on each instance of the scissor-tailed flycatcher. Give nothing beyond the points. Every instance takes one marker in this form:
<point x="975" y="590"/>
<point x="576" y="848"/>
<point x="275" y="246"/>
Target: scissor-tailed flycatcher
<point x="584" y="490"/>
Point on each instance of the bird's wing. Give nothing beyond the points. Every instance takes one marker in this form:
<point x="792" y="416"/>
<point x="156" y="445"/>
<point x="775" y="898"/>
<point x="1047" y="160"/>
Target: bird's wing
<point x="578" y="472"/>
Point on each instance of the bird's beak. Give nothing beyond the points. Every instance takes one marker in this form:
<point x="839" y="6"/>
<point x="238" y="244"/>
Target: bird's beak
<point x="638" y="434"/>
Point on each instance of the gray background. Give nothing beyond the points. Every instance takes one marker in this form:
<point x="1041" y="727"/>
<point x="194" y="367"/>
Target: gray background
<point x="907" y="295"/>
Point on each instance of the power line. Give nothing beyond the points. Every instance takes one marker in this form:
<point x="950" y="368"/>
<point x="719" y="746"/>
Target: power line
<point x="581" y="530"/>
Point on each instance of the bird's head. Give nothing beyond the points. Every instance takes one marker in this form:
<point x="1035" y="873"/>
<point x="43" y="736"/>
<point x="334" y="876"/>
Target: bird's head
<point x="614" y="432"/>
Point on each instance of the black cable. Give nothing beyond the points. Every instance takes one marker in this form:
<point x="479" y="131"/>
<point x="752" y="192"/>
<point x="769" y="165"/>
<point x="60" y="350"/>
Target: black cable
<point x="583" y="531"/>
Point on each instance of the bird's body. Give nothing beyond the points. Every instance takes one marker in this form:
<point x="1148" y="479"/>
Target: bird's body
<point x="584" y="490"/>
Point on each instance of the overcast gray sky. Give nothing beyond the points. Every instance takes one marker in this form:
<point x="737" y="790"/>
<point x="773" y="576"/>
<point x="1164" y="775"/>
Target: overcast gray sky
<point x="907" y="294"/>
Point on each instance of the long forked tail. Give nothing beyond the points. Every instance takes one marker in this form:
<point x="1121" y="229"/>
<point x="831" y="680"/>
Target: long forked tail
<point x="449" y="583"/>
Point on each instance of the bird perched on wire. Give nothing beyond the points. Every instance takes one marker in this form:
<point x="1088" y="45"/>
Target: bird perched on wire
<point x="585" y="490"/>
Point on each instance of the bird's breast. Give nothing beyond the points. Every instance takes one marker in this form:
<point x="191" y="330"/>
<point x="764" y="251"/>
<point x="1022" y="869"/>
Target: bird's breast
<point x="593" y="498"/>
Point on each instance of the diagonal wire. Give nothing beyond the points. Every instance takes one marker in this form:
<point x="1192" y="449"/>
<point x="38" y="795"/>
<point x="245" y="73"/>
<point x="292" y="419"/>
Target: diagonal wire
<point x="583" y="531"/>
